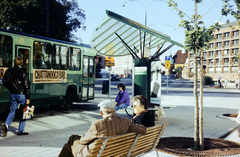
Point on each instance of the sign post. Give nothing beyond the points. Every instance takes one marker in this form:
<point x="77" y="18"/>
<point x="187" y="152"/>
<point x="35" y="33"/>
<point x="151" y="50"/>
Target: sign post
<point x="167" y="66"/>
<point x="109" y="61"/>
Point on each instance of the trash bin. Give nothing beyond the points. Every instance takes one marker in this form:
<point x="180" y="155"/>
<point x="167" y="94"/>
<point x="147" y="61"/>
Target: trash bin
<point x="105" y="87"/>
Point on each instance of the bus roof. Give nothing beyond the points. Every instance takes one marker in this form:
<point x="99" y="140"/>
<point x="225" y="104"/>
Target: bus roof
<point x="41" y="37"/>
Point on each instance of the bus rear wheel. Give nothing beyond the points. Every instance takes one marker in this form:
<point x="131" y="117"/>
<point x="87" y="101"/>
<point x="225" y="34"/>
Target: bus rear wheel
<point x="69" y="100"/>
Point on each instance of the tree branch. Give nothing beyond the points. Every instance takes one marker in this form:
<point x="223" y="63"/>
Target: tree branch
<point x="210" y="8"/>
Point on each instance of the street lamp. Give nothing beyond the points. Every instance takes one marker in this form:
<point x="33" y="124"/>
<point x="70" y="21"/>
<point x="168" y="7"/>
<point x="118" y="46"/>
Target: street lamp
<point x="123" y="5"/>
<point x="165" y="25"/>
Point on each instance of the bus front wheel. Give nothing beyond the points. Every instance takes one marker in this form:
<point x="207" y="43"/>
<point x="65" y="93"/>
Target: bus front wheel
<point x="69" y="100"/>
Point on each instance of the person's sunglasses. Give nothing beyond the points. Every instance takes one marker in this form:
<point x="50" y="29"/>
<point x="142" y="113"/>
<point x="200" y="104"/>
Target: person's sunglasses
<point x="133" y="106"/>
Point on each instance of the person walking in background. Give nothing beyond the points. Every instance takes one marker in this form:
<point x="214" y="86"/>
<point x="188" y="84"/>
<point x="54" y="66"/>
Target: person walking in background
<point x="140" y="105"/>
<point x="16" y="80"/>
<point x="122" y="99"/>
<point x="219" y="82"/>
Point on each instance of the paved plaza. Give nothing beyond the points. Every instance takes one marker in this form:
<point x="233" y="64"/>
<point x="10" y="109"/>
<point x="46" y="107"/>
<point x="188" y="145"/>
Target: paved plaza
<point x="50" y="130"/>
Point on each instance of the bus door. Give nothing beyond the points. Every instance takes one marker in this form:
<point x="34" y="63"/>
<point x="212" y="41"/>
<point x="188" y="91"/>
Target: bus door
<point x="38" y="90"/>
<point x="88" y="85"/>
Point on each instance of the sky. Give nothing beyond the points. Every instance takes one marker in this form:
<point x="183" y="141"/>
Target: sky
<point x="159" y="16"/>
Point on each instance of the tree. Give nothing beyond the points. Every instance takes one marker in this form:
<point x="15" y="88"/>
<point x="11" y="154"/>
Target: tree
<point x="197" y="37"/>
<point x="228" y="8"/>
<point x="30" y="15"/>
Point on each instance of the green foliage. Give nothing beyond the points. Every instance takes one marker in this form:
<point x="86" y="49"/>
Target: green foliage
<point x="30" y="15"/>
<point x="208" y="80"/>
<point x="237" y="56"/>
<point x="199" y="38"/>
<point x="228" y="8"/>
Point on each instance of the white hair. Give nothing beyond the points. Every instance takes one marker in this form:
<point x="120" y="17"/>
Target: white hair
<point x="107" y="111"/>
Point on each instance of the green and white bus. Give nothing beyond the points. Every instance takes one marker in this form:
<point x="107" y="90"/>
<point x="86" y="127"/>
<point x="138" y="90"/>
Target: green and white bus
<point x="60" y="72"/>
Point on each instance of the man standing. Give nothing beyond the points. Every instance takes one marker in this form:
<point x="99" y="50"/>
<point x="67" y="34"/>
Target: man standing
<point x="110" y="125"/>
<point x="16" y="80"/>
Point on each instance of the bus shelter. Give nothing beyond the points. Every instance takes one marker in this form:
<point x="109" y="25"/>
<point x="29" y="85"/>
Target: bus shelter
<point x="119" y="36"/>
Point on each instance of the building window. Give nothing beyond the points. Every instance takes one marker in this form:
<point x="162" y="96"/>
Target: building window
<point x="236" y="42"/>
<point x="218" y="69"/>
<point x="191" y="70"/>
<point x="211" y="61"/>
<point x="211" y="70"/>
<point x="204" y="54"/>
<point x="191" y="63"/>
<point x="227" y="34"/>
<point x="217" y="61"/>
<point x="211" y="45"/>
<point x="235" y="69"/>
<point x="226" y="43"/>
<point x="204" y="62"/>
<point x="218" y="53"/>
<point x="226" y="69"/>
<point x="191" y="56"/>
<point x="210" y="53"/>
<point x="219" y="44"/>
<point x="226" y="52"/>
<point x="235" y="33"/>
<point x="219" y="36"/>
<point x="235" y="51"/>
<point x="226" y="60"/>
<point x="234" y="61"/>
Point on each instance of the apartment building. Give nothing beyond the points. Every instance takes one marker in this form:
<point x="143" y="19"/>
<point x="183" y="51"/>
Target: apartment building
<point x="219" y="58"/>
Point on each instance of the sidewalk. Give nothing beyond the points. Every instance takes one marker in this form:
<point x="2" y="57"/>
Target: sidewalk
<point x="49" y="133"/>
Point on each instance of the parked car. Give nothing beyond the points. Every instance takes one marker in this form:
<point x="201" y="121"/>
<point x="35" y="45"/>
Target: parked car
<point x="115" y="77"/>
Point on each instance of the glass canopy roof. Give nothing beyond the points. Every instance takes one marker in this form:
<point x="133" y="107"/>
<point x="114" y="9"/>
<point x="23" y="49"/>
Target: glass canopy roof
<point x="118" y="35"/>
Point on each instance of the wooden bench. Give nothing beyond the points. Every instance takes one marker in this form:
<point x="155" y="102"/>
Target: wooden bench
<point x="129" y="144"/>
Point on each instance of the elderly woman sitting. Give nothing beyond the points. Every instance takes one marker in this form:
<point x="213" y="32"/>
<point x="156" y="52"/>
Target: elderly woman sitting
<point x="140" y="105"/>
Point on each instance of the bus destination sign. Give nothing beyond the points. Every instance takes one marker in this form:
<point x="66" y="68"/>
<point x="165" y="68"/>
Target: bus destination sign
<point x="2" y="71"/>
<point x="49" y="76"/>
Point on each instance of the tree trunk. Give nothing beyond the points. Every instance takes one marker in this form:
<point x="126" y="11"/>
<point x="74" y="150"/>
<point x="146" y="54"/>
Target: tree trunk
<point x="201" y="137"/>
<point x="196" y="113"/>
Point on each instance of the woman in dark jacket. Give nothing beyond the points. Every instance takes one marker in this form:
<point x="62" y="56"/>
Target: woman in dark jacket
<point x="140" y="105"/>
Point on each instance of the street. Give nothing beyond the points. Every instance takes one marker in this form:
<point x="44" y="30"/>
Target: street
<point x="51" y="127"/>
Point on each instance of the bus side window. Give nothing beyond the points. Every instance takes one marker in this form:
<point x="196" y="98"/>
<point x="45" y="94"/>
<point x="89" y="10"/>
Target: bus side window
<point x="85" y="67"/>
<point x="74" y="59"/>
<point x="42" y="54"/>
<point x="5" y="51"/>
<point x="91" y="68"/>
<point x="60" y="57"/>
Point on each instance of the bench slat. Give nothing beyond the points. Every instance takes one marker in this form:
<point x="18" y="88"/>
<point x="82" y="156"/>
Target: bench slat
<point x="111" y="141"/>
<point x="116" y="145"/>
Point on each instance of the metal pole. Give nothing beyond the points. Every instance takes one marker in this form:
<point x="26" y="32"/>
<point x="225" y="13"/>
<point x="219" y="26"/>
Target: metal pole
<point x="167" y="80"/>
<point x="133" y="73"/>
<point x="47" y="18"/>
<point x="109" y="86"/>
